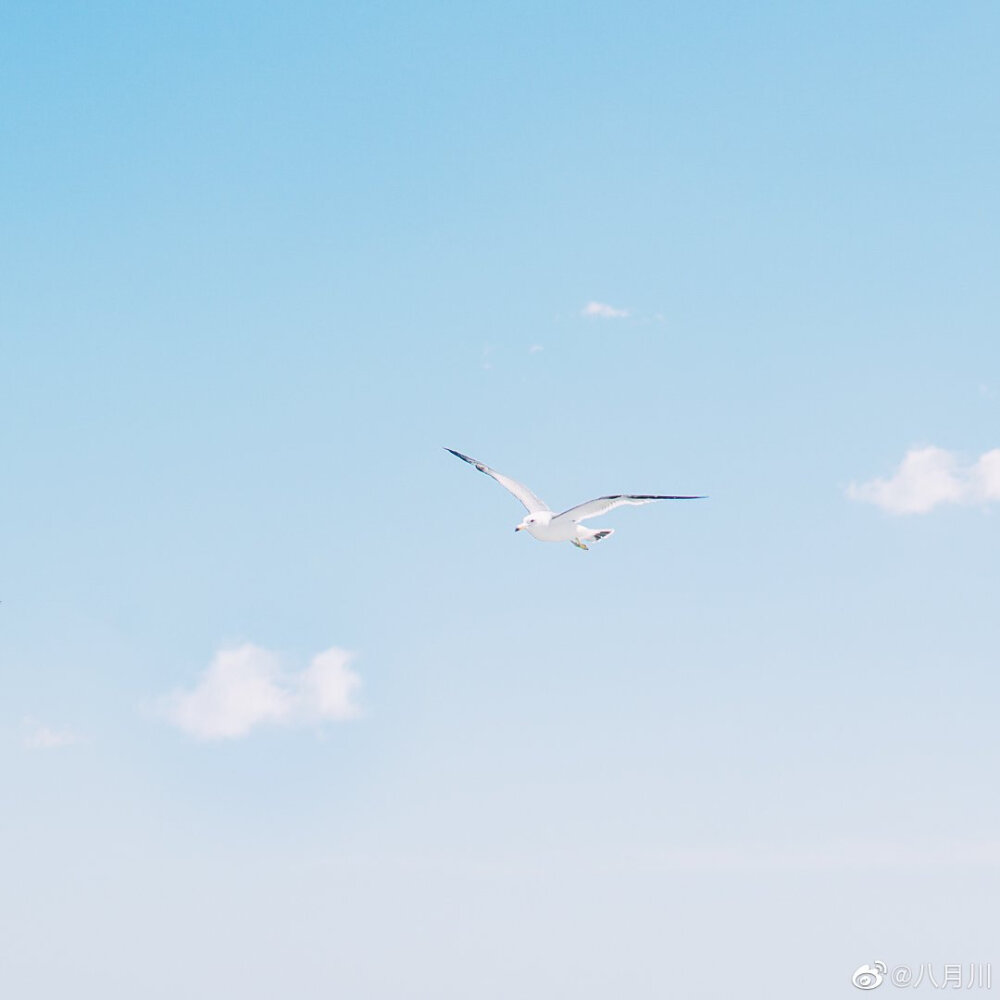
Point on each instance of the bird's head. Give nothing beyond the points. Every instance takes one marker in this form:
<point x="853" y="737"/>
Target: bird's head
<point x="538" y="517"/>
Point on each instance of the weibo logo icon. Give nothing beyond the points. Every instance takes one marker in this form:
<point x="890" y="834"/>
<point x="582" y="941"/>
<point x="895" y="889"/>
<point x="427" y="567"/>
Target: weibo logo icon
<point x="867" y="977"/>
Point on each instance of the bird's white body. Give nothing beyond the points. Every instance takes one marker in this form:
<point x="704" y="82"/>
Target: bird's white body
<point x="547" y="526"/>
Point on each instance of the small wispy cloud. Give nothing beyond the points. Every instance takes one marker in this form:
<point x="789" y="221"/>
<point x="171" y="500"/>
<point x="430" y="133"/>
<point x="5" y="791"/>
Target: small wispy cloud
<point x="40" y="737"/>
<point x="929" y="477"/>
<point x="247" y="686"/>
<point x="535" y="348"/>
<point x="601" y="310"/>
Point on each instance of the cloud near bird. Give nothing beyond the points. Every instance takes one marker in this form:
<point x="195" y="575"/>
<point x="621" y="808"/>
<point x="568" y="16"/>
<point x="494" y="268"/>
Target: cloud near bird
<point x="41" y="737"/>
<point x="247" y="686"/>
<point x="601" y="310"/>
<point x="929" y="477"/>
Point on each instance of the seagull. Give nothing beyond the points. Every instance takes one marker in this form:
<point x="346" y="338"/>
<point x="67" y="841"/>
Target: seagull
<point x="540" y="522"/>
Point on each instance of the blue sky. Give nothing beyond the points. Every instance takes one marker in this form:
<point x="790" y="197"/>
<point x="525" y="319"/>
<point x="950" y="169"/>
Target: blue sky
<point x="260" y="264"/>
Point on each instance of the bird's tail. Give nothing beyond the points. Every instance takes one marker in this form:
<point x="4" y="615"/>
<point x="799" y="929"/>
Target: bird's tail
<point x="596" y="534"/>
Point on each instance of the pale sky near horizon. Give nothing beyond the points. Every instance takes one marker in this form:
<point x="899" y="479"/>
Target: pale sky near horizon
<point x="289" y="710"/>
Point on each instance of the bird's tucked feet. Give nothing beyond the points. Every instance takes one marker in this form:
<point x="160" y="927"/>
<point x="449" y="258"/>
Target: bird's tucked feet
<point x="579" y="544"/>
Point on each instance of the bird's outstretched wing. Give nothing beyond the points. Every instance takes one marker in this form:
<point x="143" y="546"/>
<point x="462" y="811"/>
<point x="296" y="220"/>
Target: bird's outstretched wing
<point x="601" y="505"/>
<point x="530" y="501"/>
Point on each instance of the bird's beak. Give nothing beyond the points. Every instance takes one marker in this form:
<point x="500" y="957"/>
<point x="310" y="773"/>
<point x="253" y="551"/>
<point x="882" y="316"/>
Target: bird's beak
<point x="519" y="527"/>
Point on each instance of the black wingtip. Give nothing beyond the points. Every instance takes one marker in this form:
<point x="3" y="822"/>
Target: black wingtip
<point x="651" y="496"/>
<point x="465" y="458"/>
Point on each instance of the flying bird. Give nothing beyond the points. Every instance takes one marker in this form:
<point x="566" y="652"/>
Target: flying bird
<point x="542" y="523"/>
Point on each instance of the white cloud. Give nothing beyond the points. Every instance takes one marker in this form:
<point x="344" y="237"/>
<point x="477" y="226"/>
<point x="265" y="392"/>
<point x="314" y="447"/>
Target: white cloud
<point x="986" y="476"/>
<point x="326" y="687"/>
<point x="601" y="310"/>
<point x="39" y="737"/>
<point x="928" y="477"/>
<point x="248" y="686"/>
<point x="535" y="348"/>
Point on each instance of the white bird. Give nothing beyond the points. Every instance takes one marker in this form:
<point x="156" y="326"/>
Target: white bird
<point x="542" y="523"/>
